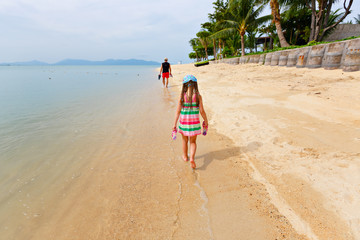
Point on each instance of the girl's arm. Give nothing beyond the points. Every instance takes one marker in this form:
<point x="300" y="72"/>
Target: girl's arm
<point x="202" y="111"/>
<point x="177" y="113"/>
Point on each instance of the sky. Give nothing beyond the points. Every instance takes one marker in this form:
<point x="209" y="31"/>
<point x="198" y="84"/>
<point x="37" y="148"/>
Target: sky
<point x="53" y="30"/>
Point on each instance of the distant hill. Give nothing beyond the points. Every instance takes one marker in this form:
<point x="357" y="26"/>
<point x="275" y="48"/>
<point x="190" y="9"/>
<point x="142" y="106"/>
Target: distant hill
<point x="106" y="62"/>
<point x="30" y="63"/>
<point x="84" y="62"/>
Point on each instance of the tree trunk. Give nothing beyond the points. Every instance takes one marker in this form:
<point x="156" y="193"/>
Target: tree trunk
<point x="275" y="11"/>
<point x="296" y="36"/>
<point x="242" y="45"/>
<point x="326" y="19"/>
<point x="347" y="12"/>
<point x="317" y="32"/>
<point x="214" y="44"/>
<point x="313" y="20"/>
<point x="283" y="42"/>
<point x="223" y="46"/>
<point x="265" y="45"/>
<point x="220" y="49"/>
<point x="320" y="17"/>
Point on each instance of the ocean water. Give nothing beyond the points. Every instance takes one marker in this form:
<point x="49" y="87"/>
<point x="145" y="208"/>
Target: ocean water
<point x="86" y="153"/>
<point x="53" y="121"/>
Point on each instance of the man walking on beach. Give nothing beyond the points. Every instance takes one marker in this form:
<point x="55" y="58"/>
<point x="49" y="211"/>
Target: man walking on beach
<point x="166" y="72"/>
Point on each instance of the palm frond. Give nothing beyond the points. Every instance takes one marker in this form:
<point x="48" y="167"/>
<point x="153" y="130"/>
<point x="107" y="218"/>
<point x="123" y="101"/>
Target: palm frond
<point x="357" y="19"/>
<point x="229" y="24"/>
<point x="224" y="33"/>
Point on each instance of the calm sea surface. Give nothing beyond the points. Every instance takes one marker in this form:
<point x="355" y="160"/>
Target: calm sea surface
<point x="51" y="120"/>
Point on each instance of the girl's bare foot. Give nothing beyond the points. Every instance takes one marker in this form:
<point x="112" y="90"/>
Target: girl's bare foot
<point x="185" y="158"/>
<point x="193" y="165"/>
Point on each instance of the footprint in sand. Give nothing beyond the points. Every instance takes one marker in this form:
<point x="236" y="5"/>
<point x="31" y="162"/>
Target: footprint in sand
<point x="343" y="165"/>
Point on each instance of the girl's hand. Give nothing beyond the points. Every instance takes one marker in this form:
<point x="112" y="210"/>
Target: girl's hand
<point x="174" y="128"/>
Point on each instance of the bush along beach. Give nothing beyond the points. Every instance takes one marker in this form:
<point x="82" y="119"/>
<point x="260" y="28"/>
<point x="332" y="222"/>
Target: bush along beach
<point x="198" y="64"/>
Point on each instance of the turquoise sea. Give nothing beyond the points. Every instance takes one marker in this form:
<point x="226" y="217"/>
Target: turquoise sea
<point x="53" y="121"/>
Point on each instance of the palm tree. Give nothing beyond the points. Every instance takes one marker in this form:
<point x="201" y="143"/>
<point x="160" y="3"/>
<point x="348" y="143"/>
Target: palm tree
<point x="194" y="42"/>
<point x="210" y="27"/>
<point x="251" y="38"/>
<point x="242" y="14"/>
<point x="275" y="12"/>
<point x="270" y="31"/>
<point x="220" y="14"/>
<point x="296" y="20"/>
<point x="204" y="38"/>
<point x="276" y="17"/>
<point x="234" y="44"/>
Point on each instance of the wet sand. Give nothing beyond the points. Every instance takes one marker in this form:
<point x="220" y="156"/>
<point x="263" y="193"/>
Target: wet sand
<point x="293" y="140"/>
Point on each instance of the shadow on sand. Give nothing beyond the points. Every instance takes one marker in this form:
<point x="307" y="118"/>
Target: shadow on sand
<point x="219" y="155"/>
<point x="224" y="154"/>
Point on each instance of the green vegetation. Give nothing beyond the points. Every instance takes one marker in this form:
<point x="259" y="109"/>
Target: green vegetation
<point x="312" y="43"/>
<point x="235" y="28"/>
<point x="198" y="64"/>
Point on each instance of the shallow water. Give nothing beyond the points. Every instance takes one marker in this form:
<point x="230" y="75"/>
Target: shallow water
<point x="53" y="121"/>
<point x="86" y="153"/>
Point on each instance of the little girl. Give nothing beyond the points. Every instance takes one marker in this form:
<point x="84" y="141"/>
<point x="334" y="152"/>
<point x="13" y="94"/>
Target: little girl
<point x="190" y="103"/>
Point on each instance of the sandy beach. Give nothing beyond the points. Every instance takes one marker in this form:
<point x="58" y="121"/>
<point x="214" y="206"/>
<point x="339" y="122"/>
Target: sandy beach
<point x="297" y="133"/>
<point x="280" y="161"/>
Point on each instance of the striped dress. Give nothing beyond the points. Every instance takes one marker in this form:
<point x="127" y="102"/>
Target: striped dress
<point x="189" y="124"/>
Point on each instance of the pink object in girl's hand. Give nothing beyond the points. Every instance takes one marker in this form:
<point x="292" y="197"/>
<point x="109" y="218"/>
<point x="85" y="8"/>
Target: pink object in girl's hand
<point x="205" y="128"/>
<point x="174" y="134"/>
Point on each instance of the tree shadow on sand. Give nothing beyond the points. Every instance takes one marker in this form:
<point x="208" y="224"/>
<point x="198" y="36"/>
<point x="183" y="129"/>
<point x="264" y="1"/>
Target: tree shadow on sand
<point x="224" y="154"/>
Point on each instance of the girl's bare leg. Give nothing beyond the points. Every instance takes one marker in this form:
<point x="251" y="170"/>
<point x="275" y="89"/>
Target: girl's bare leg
<point x="192" y="151"/>
<point x="185" y="140"/>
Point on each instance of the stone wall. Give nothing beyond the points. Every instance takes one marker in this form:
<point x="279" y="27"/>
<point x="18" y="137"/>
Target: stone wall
<point x="344" y="55"/>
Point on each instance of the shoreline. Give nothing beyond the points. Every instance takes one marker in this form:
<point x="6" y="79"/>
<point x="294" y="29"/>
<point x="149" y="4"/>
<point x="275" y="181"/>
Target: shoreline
<point x="239" y="209"/>
<point x="298" y="129"/>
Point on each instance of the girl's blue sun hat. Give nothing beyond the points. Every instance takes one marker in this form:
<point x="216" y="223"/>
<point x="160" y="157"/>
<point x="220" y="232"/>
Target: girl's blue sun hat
<point x="189" y="78"/>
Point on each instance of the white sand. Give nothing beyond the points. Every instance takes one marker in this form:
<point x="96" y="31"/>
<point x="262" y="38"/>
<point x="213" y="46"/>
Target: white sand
<point x="300" y="131"/>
